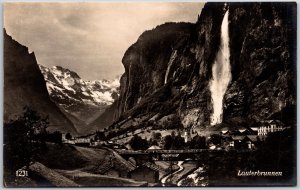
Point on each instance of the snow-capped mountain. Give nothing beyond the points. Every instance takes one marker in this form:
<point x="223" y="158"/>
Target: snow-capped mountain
<point x="82" y="101"/>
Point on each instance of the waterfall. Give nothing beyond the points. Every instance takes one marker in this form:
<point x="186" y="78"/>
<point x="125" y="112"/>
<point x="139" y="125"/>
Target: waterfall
<point x="221" y="74"/>
<point x="172" y="58"/>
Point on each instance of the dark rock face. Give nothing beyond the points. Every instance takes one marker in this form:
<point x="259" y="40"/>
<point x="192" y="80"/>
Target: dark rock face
<point x="263" y="59"/>
<point x="181" y="84"/>
<point x="170" y="72"/>
<point x="24" y="85"/>
<point x="146" y="62"/>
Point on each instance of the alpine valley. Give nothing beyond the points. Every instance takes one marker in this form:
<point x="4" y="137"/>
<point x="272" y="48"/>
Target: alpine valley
<point x="198" y="104"/>
<point x="81" y="101"/>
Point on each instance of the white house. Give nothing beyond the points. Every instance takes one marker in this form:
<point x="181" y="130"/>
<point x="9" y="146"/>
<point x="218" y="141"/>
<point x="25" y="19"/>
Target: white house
<point x="187" y="136"/>
<point x="270" y="126"/>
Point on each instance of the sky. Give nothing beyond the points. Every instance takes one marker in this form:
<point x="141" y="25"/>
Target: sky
<point x="89" y="38"/>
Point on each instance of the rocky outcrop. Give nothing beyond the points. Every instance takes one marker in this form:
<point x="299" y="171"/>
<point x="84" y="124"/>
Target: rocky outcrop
<point x="24" y="85"/>
<point x="168" y="70"/>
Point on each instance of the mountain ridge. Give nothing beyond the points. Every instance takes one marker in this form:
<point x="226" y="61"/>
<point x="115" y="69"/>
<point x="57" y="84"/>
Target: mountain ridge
<point x="82" y="101"/>
<point x="24" y="85"/>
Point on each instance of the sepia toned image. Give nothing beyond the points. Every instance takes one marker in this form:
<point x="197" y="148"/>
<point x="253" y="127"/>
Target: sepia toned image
<point x="150" y="94"/>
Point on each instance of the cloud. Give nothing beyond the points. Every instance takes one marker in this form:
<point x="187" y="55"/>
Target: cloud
<point x="89" y="38"/>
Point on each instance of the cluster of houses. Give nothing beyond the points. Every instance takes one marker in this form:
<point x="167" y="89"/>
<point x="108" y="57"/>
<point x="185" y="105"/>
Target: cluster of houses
<point x="237" y="138"/>
<point x="80" y="141"/>
<point x="240" y="137"/>
<point x="269" y="127"/>
<point x="88" y="141"/>
<point x="247" y="138"/>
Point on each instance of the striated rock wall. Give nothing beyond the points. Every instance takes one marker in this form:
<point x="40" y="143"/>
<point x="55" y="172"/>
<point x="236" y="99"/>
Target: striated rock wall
<point x="146" y="62"/>
<point x="167" y="71"/>
<point x="263" y="58"/>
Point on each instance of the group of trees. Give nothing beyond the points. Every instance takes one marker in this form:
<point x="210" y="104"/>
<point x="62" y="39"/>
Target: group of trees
<point x="100" y="136"/>
<point x="173" y="122"/>
<point x="137" y="143"/>
<point x="114" y="131"/>
<point x="55" y="137"/>
<point x="155" y="139"/>
<point x="23" y="140"/>
<point x="168" y="142"/>
<point x="197" y="142"/>
<point x="216" y="139"/>
<point x="178" y="142"/>
<point x="173" y="141"/>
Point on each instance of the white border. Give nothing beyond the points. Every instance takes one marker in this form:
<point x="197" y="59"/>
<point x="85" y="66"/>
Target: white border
<point x="146" y="188"/>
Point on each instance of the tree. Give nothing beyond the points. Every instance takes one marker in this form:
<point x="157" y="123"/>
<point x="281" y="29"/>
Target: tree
<point x="216" y="139"/>
<point x="20" y="143"/>
<point x="173" y="134"/>
<point x="114" y="95"/>
<point x="174" y="141"/>
<point x="198" y="142"/>
<point x="168" y="142"/>
<point x="100" y="135"/>
<point x="178" y="142"/>
<point x="187" y="182"/>
<point x="153" y="143"/>
<point x="56" y="137"/>
<point x="137" y="143"/>
<point x="155" y="138"/>
<point x="33" y="121"/>
<point x="68" y="136"/>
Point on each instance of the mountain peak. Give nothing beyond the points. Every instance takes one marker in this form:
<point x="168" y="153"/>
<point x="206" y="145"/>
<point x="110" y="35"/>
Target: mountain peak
<point x="80" y="99"/>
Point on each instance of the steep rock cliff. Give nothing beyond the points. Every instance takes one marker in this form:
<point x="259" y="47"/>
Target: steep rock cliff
<point x="185" y="73"/>
<point x="263" y="58"/>
<point x="164" y="77"/>
<point x="24" y="85"/>
<point x="146" y="62"/>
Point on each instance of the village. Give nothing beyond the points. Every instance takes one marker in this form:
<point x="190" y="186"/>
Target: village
<point x="238" y="138"/>
<point x="166" y="155"/>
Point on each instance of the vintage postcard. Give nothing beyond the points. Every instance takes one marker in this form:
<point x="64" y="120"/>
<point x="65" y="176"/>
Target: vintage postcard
<point x="127" y="94"/>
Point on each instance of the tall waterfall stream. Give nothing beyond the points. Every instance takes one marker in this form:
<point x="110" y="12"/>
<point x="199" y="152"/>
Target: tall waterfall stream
<point x="221" y="74"/>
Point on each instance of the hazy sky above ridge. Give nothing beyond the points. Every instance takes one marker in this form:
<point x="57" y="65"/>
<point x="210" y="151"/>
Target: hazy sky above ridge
<point x="89" y="38"/>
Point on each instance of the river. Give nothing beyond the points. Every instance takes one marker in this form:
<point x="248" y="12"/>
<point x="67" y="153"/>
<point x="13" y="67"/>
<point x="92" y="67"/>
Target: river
<point x="197" y="178"/>
<point x="188" y="174"/>
<point x="164" y="180"/>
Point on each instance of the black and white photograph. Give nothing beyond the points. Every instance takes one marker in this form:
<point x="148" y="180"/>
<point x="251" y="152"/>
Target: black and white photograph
<point x="149" y="94"/>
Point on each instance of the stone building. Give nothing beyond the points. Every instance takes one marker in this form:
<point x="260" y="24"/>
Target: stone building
<point x="145" y="173"/>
